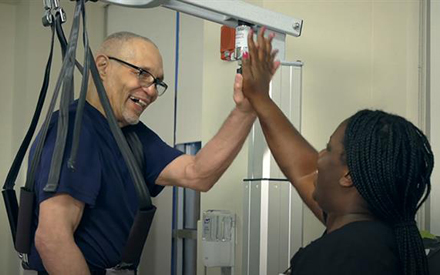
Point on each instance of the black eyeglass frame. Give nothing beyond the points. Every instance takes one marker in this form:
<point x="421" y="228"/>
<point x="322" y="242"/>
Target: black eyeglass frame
<point x="156" y="81"/>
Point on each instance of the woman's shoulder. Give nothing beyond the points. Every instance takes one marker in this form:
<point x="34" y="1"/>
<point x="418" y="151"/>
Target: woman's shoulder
<point x="366" y="245"/>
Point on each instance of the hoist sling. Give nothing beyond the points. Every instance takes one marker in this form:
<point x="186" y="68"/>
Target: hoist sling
<point x="20" y="218"/>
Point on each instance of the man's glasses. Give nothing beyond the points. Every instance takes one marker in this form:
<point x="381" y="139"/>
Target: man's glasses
<point x="146" y="79"/>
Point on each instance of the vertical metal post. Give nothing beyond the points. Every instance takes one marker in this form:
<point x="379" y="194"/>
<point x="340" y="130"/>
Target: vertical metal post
<point x="272" y="219"/>
<point x="186" y="213"/>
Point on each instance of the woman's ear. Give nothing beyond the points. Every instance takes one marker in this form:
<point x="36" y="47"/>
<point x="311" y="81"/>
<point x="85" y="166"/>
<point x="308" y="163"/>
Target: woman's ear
<point x="346" y="181"/>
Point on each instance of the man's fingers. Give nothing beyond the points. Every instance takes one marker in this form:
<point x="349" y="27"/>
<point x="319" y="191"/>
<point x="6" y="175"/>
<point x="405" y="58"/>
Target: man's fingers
<point x="273" y="55"/>
<point x="238" y="83"/>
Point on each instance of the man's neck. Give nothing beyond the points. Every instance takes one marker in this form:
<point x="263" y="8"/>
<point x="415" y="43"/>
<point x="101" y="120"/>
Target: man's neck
<point x="93" y="99"/>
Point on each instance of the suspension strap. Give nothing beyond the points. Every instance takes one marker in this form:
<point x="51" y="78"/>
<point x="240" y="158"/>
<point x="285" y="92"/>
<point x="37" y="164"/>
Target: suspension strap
<point x="82" y="97"/>
<point x="25" y="213"/>
<point x="40" y="143"/>
<point x="141" y="188"/>
<point x="144" y="217"/>
<point x="66" y="98"/>
<point x="9" y="195"/>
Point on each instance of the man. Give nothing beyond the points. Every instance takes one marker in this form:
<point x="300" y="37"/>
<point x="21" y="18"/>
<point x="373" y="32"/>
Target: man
<point x="83" y="227"/>
<point x="365" y="186"/>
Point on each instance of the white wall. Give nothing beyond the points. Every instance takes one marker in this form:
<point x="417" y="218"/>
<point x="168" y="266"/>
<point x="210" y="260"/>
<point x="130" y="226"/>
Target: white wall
<point x="357" y="54"/>
<point x="191" y="73"/>
<point x="435" y="115"/>
<point x="8" y="259"/>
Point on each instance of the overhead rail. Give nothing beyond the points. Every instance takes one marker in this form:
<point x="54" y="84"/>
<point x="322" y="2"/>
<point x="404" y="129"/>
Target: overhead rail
<point x="225" y="12"/>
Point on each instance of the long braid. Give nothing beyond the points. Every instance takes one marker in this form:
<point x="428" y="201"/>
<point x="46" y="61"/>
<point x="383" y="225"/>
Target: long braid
<point x="390" y="163"/>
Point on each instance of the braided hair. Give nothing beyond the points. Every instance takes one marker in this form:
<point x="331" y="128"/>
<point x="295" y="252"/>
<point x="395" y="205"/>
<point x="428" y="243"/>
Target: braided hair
<point x="390" y="162"/>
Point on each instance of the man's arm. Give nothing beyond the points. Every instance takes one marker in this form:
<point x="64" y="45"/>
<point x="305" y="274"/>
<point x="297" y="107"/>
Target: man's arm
<point x="296" y="158"/>
<point x="59" y="217"/>
<point x="201" y="172"/>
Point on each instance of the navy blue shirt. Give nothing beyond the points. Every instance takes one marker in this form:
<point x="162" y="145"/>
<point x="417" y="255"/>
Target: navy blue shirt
<point x="102" y="181"/>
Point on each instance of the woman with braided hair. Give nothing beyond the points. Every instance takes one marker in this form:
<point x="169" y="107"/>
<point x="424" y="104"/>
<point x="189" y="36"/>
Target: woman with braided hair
<point x="390" y="163"/>
<point x="366" y="186"/>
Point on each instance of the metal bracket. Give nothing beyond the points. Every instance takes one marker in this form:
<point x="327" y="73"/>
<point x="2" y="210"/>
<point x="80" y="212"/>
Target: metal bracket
<point x="51" y="9"/>
<point x="47" y="18"/>
<point x="62" y="14"/>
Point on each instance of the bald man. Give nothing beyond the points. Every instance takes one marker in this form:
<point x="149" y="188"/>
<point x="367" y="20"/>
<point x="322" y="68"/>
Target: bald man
<point x="83" y="227"/>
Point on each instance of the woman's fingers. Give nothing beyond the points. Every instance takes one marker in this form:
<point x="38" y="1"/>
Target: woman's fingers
<point x="262" y="45"/>
<point x="260" y="54"/>
<point x="251" y="46"/>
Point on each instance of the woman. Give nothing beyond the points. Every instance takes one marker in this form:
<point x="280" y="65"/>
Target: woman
<point x="366" y="186"/>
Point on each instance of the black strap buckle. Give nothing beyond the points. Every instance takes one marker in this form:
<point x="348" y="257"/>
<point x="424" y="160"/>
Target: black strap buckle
<point x="124" y="266"/>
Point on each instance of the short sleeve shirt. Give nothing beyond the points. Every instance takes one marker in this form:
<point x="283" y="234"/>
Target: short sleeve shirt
<point x="102" y="181"/>
<point x="360" y="248"/>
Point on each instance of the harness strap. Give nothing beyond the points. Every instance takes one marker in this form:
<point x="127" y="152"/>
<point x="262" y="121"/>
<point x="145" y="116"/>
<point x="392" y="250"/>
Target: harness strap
<point x="137" y="177"/>
<point x="9" y="194"/>
<point x="144" y="217"/>
<point x="29" y="185"/>
<point x="25" y="213"/>
<point x="66" y="99"/>
<point x="18" y="160"/>
<point x="82" y="97"/>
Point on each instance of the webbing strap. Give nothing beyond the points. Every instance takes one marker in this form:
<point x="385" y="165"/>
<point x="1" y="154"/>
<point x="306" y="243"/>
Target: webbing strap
<point x="66" y="99"/>
<point x="144" y="218"/>
<point x="136" y="147"/>
<point x="25" y="213"/>
<point x="63" y="41"/>
<point x="18" y="160"/>
<point x="136" y="175"/>
<point x="23" y="240"/>
<point x="40" y="143"/>
<point x="82" y="96"/>
<point x="11" y="206"/>
<point x="9" y="195"/>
